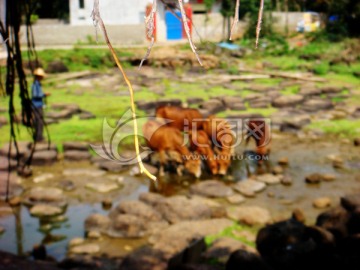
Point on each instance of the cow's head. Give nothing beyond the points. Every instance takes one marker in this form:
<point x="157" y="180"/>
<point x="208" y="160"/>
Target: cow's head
<point x="193" y="166"/>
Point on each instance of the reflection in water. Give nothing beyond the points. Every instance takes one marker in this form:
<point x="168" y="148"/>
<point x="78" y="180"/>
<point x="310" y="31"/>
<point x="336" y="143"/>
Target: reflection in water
<point x="18" y="230"/>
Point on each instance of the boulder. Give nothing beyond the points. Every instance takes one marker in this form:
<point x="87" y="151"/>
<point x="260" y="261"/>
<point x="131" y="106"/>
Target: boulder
<point x="322" y="202"/>
<point x="316" y="178"/>
<point x="112" y="166"/>
<point x="235" y="199"/>
<point x="295" y="122"/>
<point x="83" y="172"/>
<point x="15" y="188"/>
<point x="151" y="198"/>
<point x="194" y="100"/>
<point x="287" y="101"/>
<point x="237" y="107"/>
<point x="222" y="248"/>
<point x="97" y="222"/>
<point x="350" y="202"/>
<point x="102" y="187"/>
<point x="79" y="146"/>
<point x="277" y="170"/>
<point x="249" y="187"/>
<point x="44" y="210"/>
<point x="269" y="179"/>
<point x="56" y="66"/>
<point x="60" y="115"/>
<point x="334" y="220"/>
<point x="284" y="161"/>
<point x="85" y="115"/>
<point x="45" y="195"/>
<point x="43" y="177"/>
<point x="178" y="208"/>
<point x="22" y="146"/>
<point x="44" y="158"/>
<point x="136" y="208"/>
<point x="43" y="146"/>
<point x="310" y="91"/>
<point x="73" y="108"/>
<point x="76" y="155"/>
<point x="85" y="249"/>
<point x="2" y="230"/>
<point x="213" y="106"/>
<point x="211" y="188"/>
<point x="145" y="258"/>
<point x="331" y="89"/>
<point x="128" y="226"/>
<point x="249" y="215"/>
<point x="178" y="236"/>
<point x="230" y="100"/>
<point x="4" y="164"/>
<point x="287" y="180"/>
<point x="315" y="105"/>
<point x="67" y="185"/>
<point x="146" y="105"/>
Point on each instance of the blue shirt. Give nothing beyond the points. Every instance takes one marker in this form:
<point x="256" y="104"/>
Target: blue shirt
<point x="37" y="94"/>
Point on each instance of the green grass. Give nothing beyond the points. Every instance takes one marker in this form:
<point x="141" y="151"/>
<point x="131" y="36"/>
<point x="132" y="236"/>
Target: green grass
<point x="343" y="127"/>
<point x="291" y="90"/>
<point x="231" y="232"/>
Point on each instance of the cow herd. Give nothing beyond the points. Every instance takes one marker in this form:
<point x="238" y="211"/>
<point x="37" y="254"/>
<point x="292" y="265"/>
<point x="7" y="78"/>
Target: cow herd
<point x="183" y="137"/>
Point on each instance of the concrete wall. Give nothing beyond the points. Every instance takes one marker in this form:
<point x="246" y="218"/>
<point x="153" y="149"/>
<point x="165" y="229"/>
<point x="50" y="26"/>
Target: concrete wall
<point x="281" y="17"/>
<point x="113" y="12"/>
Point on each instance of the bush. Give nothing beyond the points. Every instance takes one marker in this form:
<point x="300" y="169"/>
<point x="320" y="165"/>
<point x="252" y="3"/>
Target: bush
<point x="322" y="68"/>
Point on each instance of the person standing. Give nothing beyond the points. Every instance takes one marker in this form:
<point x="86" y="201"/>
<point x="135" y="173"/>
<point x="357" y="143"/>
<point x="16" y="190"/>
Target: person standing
<point x="38" y="100"/>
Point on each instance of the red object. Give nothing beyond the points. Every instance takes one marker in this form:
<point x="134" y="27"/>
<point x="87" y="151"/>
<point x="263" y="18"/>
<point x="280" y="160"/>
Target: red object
<point x="188" y="12"/>
<point x="147" y="12"/>
<point x="200" y="1"/>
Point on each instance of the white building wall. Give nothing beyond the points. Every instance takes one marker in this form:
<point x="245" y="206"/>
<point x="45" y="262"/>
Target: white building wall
<point x="113" y="12"/>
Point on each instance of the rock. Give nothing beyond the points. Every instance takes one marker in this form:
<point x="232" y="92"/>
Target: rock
<point x="85" y="249"/>
<point x="42" y="178"/>
<point x="112" y="166"/>
<point x="22" y="147"/>
<point x="298" y="215"/>
<point x="269" y="179"/>
<point x="243" y="259"/>
<point x="145" y="258"/>
<point x="76" y="241"/>
<point x="15" y="189"/>
<point x="60" y="115"/>
<point x="135" y="171"/>
<point x="249" y="187"/>
<point x="249" y="215"/>
<point x="79" y="146"/>
<point x="87" y="172"/>
<point x="284" y="161"/>
<point x="178" y="208"/>
<point x="328" y="177"/>
<point x="287" y="101"/>
<point x="151" y="198"/>
<point x="102" y="187"/>
<point x="93" y="235"/>
<point x="331" y="89"/>
<point x="75" y="155"/>
<point x="295" y="123"/>
<point x="235" y="199"/>
<point x="44" y="158"/>
<point x="277" y="170"/>
<point x="56" y="66"/>
<point x="334" y="220"/>
<point x="44" y="195"/>
<point x="286" y="180"/>
<point x="222" y="248"/>
<point x="310" y="91"/>
<point x="4" y="164"/>
<point x="146" y="105"/>
<point x="314" y="178"/>
<point x="350" y="202"/>
<point x="67" y="185"/>
<point x="322" y="202"/>
<point x="315" y="105"/>
<point x="44" y="210"/>
<point x="251" y="97"/>
<point x="357" y="142"/>
<point x="194" y="100"/>
<point x="71" y="107"/>
<point x="213" y="106"/>
<point x="85" y="115"/>
<point x="138" y="209"/>
<point x="211" y="188"/>
<point x="2" y="230"/>
<point x="97" y="222"/>
<point x="177" y="237"/>
<point x="338" y="163"/>
<point x="169" y="102"/>
<point x="128" y="226"/>
<point x="106" y="203"/>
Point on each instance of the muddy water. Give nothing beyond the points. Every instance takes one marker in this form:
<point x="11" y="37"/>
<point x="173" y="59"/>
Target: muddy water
<point x="305" y="156"/>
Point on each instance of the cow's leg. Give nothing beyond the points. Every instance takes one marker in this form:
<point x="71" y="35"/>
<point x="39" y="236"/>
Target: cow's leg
<point x="162" y="157"/>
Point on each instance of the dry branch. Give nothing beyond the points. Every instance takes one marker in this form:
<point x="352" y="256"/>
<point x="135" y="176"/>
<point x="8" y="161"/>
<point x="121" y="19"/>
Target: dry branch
<point x="150" y="24"/>
<point x="187" y="30"/>
<point x="99" y="22"/>
<point x="236" y="18"/>
<point x="258" y="27"/>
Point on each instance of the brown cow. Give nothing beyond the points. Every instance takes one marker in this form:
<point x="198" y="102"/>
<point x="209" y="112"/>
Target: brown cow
<point x="165" y="138"/>
<point x="180" y="117"/>
<point x="222" y="136"/>
<point x="259" y="130"/>
<point x="200" y="142"/>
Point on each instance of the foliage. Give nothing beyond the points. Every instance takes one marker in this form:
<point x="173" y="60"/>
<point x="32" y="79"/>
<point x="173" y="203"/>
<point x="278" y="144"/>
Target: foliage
<point x="321" y="68"/>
